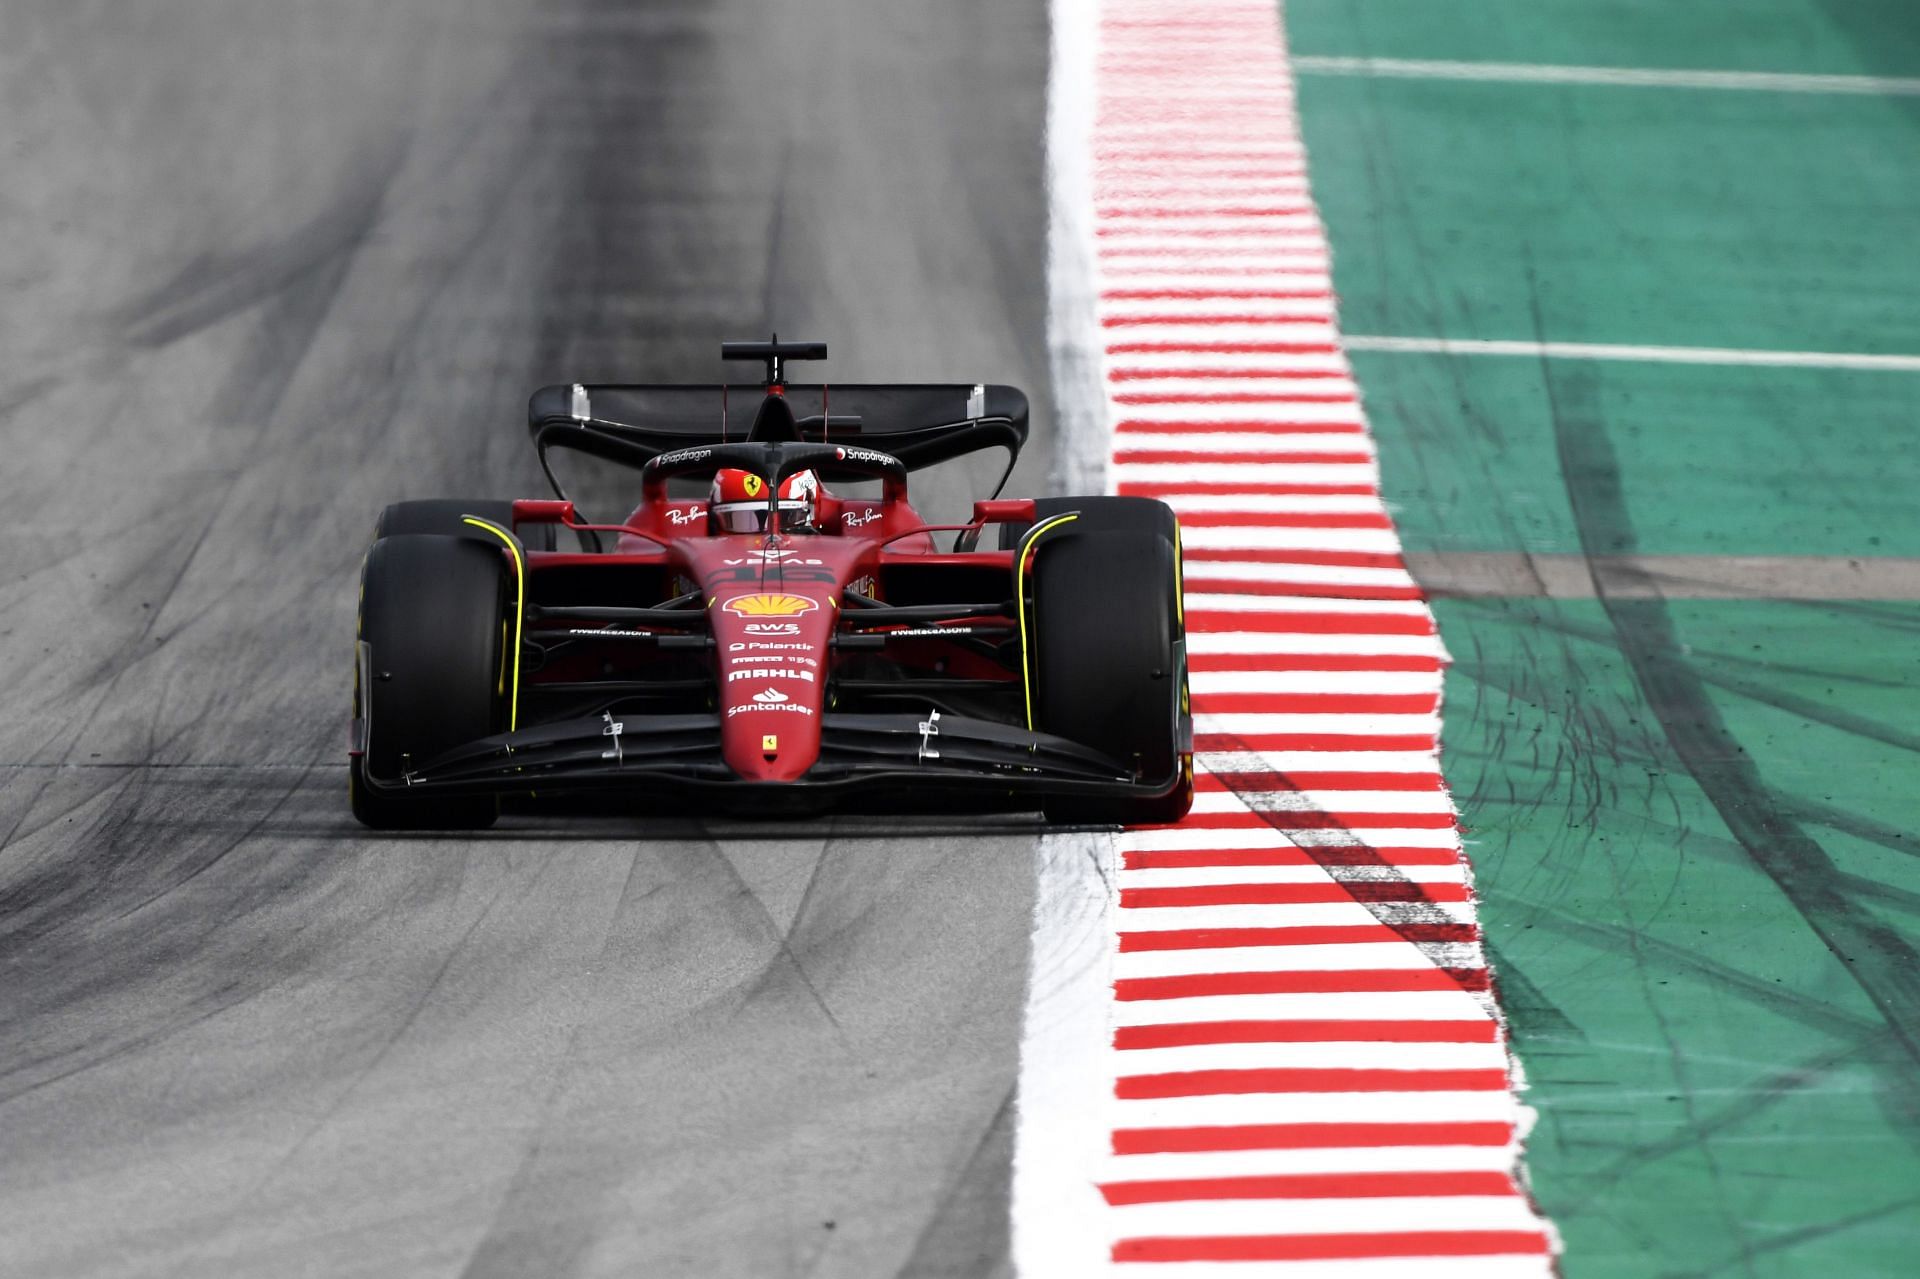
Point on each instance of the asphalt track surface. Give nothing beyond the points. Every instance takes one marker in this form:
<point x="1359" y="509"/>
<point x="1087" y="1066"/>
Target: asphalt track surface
<point x="268" y="268"/>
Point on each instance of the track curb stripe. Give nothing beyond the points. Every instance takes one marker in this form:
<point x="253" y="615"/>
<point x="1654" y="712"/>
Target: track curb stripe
<point x="1297" y="1003"/>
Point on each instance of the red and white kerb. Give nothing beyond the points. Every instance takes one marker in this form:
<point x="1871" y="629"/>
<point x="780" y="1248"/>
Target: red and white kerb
<point x="1309" y="1072"/>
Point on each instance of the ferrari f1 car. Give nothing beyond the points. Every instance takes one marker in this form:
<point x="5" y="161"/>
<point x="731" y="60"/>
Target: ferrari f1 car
<point x="819" y="651"/>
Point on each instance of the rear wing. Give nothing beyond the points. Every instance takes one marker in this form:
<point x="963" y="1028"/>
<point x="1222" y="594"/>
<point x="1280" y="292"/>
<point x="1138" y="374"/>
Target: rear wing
<point x="922" y="425"/>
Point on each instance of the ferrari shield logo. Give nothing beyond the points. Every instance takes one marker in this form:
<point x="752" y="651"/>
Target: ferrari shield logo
<point x="769" y="605"/>
<point x="753" y="484"/>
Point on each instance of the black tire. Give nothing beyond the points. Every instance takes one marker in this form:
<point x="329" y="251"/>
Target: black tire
<point x="1109" y="661"/>
<point x="432" y="608"/>
<point x="444" y="515"/>
<point x="1129" y="514"/>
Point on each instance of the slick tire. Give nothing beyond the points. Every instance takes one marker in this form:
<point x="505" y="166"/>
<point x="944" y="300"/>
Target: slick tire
<point x="1127" y="514"/>
<point x="433" y="609"/>
<point x="445" y="515"/>
<point x="1110" y="652"/>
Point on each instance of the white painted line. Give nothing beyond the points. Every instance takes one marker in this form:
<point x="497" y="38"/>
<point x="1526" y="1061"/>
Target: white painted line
<point x="1146" y="356"/>
<point x="1297" y="871"/>
<point x="1642" y="354"/>
<point x="1062" y="1123"/>
<point x="1618" y="77"/>
<point x="1303" y="576"/>
<point x="1264" y="836"/>
<point x="1148" y="919"/>
<point x="1241" y="445"/>
<point x="1115" y="225"/>
<point x="1341" y="724"/>
<point x="1283" y="309"/>
<point x="1402" y="682"/>
<point x="1295" y="867"/>
<point x="1292" y="273"/>
<point x="1191" y="193"/>
<point x="1385" y="802"/>
<point x="1316" y="1107"/>
<point x="1291" y="267"/>
<point x="1325" y="1216"/>
<point x="1161" y="239"/>
<point x="1269" y="642"/>
<point x="1232" y="338"/>
<point x="1275" y="959"/>
<point x="1065" y="1116"/>
<point x="1243" y="390"/>
<point x="1376" y="541"/>
<point x="1421" y="762"/>
<point x="1200" y="603"/>
<point x="1326" y="1056"/>
<point x="1201" y="504"/>
<point x="1366" y="1006"/>
<point x="1274" y="1163"/>
<point x="1256" y="414"/>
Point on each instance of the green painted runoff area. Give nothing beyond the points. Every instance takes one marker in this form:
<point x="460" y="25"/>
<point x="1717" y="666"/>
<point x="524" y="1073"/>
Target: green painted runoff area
<point x="1695" y="824"/>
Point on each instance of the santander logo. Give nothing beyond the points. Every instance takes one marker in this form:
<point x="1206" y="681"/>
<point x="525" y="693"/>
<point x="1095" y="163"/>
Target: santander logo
<point x="771" y="699"/>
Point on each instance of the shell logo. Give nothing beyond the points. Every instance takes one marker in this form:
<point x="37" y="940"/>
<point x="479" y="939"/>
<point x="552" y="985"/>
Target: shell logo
<point x="769" y="605"/>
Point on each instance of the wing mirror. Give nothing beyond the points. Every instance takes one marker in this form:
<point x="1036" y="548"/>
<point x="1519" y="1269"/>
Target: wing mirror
<point x="1004" y="510"/>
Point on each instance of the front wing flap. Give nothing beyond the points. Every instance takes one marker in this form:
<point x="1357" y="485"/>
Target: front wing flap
<point x="900" y="752"/>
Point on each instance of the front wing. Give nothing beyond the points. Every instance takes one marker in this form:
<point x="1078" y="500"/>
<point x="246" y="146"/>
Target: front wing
<point x="897" y="754"/>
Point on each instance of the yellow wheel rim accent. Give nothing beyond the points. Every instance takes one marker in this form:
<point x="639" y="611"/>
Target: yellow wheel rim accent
<point x="519" y="607"/>
<point x="1020" y="602"/>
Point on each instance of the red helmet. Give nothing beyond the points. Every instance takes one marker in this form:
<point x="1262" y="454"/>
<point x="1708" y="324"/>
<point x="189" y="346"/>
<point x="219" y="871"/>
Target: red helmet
<point x="737" y="503"/>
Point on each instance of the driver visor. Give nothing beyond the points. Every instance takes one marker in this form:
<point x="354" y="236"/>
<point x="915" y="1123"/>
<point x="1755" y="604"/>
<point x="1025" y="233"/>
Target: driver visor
<point x="751" y="517"/>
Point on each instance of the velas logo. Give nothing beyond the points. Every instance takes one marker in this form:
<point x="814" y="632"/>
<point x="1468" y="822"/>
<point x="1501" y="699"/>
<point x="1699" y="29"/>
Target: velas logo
<point x="769" y="605"/>
<point x="774" y="557"/>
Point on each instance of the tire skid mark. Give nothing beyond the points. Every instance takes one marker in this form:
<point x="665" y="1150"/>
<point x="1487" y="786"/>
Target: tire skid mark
<point x="1879" y="959"/>
<point x="241" y="1210"/>
<point x="1548" y="618"/>
<point x="57" y="945"/>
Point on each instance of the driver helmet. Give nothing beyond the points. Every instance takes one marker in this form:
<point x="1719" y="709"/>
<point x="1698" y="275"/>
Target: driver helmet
<point x="737" y="503"/>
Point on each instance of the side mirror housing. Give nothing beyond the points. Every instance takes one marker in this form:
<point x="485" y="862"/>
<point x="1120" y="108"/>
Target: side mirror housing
<point x="543" y="511"/>
<point x="1004" y="510"/>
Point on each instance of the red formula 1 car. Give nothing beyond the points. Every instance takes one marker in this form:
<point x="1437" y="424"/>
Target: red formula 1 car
<point x="752" y="642"/>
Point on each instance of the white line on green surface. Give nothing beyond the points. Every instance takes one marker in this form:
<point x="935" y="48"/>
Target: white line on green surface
<point x="1617" y="77"/>
<point x="1645" y="354"/>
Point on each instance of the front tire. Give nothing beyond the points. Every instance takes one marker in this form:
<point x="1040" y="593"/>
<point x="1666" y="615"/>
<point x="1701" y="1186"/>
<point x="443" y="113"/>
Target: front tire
<point x="447" y="515"/>
<point x="432" y="610"/>
<point x="1109" y="660"/>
